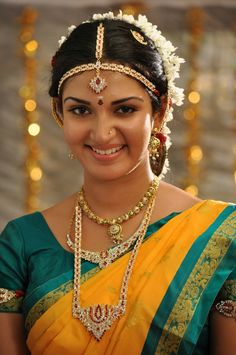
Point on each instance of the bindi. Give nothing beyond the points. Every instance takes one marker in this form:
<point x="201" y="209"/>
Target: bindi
<point x="100" y="100"/>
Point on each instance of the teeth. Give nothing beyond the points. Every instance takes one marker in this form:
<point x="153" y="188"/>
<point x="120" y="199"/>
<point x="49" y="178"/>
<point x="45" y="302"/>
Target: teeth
<point x="108" y="151"/>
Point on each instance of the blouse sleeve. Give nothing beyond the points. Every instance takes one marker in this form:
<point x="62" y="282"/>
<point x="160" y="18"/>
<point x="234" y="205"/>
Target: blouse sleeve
<point x="13" y="276"/>
<point x="225" y="302"/>
<point x="228" y="291"/>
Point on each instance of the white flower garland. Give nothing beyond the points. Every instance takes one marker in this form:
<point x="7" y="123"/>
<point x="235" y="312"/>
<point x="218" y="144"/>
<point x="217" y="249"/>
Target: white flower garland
<point x="171" y="61"/>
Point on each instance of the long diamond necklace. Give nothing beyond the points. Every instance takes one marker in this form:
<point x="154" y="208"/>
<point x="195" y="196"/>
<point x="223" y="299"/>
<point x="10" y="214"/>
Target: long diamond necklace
<point x="105" y="257"/>
<point x="98" y="318"/>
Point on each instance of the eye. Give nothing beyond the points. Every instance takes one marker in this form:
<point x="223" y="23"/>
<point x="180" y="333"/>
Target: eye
<point x="80" y="110"/>
<point x="125" y="109"/>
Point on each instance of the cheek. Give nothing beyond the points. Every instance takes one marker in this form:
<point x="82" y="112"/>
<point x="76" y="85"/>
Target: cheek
<point x="71" y="134"/>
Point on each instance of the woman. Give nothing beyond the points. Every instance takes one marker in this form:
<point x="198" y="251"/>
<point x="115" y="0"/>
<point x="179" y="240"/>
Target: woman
<point x="129" y="263"/>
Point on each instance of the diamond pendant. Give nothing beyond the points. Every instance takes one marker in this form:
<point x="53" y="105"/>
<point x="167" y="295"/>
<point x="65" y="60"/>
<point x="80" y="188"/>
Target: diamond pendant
<point x="97" y="84"/>
<point x="99" y="317"/>
<point x="115" y="232"/>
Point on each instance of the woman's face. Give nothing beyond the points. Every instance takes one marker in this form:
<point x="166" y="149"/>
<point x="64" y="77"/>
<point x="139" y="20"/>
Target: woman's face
<point x="107" y="132"/>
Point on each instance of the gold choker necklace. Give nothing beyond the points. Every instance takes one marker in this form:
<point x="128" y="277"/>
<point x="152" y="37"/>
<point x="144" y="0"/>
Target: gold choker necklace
<point x="98" y="318"/>
<point x="114" y="230"/>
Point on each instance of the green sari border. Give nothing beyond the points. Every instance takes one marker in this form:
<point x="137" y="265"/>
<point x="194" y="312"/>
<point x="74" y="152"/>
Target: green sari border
<point x="173" y="316"/>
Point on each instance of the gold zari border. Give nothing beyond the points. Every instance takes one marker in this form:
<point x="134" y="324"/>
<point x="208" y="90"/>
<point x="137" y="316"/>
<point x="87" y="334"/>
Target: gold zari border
<point x="51" y="298"/>
<point x="191" y="293"/>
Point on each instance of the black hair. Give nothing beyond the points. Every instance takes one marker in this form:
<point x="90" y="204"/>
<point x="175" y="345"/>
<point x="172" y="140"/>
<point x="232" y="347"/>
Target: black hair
<point x="119" y="46"/>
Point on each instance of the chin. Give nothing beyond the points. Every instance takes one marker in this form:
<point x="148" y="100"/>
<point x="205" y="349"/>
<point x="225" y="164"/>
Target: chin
<point x="111" y="173"/>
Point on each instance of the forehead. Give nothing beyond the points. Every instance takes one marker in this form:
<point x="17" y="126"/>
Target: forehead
<point x="118" y="85"/>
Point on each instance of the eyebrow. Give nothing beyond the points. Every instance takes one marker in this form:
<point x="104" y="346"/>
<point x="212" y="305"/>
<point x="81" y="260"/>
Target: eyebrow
<point x="126" y="99"/>
<point x="116" y="102"/>
<point x="77" y="100"/>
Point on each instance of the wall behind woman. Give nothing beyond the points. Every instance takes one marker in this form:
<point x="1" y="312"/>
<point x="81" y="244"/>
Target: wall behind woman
<point x="203" y="153"/>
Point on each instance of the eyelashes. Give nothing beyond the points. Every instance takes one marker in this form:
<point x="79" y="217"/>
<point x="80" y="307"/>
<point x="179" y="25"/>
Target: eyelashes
<point x="83" y="110"/>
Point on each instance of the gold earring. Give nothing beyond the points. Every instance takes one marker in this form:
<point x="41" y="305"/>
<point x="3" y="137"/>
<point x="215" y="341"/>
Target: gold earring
<point x="71" y="156"/>
<point x="154" y="145"/>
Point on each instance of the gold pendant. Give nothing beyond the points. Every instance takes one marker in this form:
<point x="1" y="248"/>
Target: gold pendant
<point x="99" y="317"/>
<point x="115" y="232"/>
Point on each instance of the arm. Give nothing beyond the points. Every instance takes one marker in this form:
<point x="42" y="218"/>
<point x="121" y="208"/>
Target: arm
<point x="12" y="339"/>
<point x="222" y="334"/>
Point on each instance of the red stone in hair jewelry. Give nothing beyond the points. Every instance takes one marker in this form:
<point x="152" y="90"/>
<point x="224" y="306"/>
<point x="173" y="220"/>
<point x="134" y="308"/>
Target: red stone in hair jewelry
<point x="53" y="61"/>
<point x="161" y="137"/>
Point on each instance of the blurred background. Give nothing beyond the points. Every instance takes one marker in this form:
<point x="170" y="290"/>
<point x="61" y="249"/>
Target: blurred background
<point x="35" y="171"/>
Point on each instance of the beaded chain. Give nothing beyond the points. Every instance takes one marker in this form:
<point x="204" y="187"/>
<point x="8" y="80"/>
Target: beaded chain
<point x="114" y="230"/>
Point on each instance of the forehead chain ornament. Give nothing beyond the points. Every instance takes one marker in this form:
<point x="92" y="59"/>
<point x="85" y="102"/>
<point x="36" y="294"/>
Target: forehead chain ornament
<point x="98" y="84"/>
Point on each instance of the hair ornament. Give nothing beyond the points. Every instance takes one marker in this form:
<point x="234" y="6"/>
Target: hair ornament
<point x="53" y="61"/>
<point x="138" y="37"/>
<point x="64" y="38"/>
<point x="98" y="83"/>
<point x="165" y="48"/>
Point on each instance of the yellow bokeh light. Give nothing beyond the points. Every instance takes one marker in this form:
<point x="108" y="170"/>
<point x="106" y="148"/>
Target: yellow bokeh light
<point x="34" y="129"/>
<point x="189" y="114"/>
<point x="26" y="36"/>
<point x="30" y="105"/>
<point x="194" y="97"/>
<point x="36" y="174"/>
<point x="196" y="153"/>
<point x="24" y="91"/>
<point x="192" y="190"/>
<point x="31" y="46"/>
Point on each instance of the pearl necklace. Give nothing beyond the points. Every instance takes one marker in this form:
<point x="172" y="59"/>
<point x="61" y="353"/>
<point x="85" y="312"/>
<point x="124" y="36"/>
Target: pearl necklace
<point x="98" y="318"/>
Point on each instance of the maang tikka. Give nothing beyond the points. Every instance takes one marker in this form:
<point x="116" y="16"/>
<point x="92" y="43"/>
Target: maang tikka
<point x="98" y="84"/>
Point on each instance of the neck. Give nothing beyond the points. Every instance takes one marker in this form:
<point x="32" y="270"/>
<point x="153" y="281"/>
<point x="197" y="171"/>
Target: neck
<point x="115" y="197"/>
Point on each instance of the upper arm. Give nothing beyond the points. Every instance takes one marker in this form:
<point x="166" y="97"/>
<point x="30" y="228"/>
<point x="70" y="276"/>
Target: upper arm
<point x="223" y="327"/>
<point x="12" y="287"/>
<point x="12" y="339"/>
<point x="222" y="334"/>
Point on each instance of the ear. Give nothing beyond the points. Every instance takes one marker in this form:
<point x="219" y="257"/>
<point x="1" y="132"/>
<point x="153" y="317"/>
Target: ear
<point x="159" y="116"/>
<point x="57" y="110"/>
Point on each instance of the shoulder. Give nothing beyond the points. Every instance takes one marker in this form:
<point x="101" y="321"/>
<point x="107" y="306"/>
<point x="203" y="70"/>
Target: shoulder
<point x="17" y="226"/>
<point x="177" y="198"/>
<point x="171" y="199"/>
<point x="62" y="210"/>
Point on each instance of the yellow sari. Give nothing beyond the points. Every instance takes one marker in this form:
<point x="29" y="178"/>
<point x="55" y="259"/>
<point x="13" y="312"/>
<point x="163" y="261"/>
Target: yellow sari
<point x="178" y="273"/>
<point x="185" y="260"/>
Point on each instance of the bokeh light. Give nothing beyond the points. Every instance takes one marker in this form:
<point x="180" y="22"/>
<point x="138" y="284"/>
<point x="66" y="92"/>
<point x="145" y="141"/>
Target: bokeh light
<point x="30" y="105"/>
<point x="36" y="173"/>
<point x="34" y="129"/>
<point x="194" y="97"/>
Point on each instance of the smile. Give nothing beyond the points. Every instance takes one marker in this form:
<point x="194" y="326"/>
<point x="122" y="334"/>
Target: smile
<point x="107" y="151"/>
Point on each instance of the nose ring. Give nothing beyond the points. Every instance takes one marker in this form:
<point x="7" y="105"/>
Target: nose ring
<point x="110" y="131"/>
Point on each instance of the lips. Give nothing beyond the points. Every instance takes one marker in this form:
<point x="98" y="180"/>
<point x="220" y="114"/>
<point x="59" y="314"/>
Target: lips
<point x="107" y="151"/>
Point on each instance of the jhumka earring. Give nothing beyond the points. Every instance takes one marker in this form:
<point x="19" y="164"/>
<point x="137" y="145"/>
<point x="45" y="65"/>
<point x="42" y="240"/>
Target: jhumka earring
<point x="71" y="156"/>
<point x="156" y="145"/>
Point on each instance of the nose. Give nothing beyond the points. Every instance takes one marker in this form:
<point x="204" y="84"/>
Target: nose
<point x="102" y="130"/>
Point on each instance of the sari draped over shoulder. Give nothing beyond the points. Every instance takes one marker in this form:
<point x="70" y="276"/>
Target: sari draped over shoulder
<point x="182" y="266"/>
